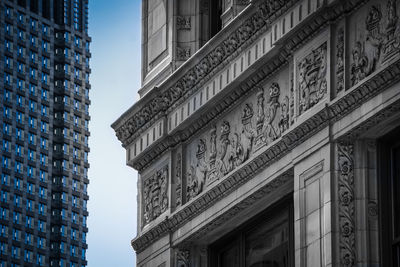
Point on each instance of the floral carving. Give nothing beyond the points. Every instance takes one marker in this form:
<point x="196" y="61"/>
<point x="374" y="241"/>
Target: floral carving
<point x="183" y="23"/>
<point x="346" y="204"/>
<point x="312" y="78"/>
<point x="340" y="61"/>
<point x="155" y="195"/>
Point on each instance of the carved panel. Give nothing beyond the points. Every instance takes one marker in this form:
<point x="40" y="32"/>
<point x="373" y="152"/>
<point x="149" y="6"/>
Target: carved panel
<point x="312" y="83"/>
<point x="259" y="121"/>
<point x="183" y="23"/>
<point x="155" y="195"/>
<point x="346" y="205"/>
<point x="376" y="40"/>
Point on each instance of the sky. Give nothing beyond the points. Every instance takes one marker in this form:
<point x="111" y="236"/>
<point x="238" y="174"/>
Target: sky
<point x="116" y="42"/>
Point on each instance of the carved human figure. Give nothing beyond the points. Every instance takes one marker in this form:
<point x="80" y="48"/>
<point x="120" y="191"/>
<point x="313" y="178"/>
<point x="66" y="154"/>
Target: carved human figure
<point x="270" y="131"/>
<point x="260" y="118"/>
<point x="284" y="119"/>
<point x="248" y="134"/>
<point x="374" y="38"/>
<point x="222" y="166"/>
<point x="236" y="156"/>
<point x="212" y="175"/>
<point x="197" y="175"/>
<point x="359" y="65"/>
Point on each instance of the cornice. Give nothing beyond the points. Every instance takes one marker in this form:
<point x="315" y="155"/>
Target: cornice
<point x="283" y="52"/>
<point x="153" y="106"/>
<point x="266" y="156"/>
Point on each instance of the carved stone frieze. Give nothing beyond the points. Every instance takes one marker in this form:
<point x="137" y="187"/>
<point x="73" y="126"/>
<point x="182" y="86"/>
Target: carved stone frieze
<point x="266" y="10"/>
<point x="155" y="195"/>
<point x="229" y="148"/>
<point x="312" y="78"/>
<point x="183" y="22"/>
<point x="346" y="205"/>
<point x="340" y="61"/>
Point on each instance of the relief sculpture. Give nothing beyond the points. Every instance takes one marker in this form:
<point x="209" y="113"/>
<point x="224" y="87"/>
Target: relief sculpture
<point x="230" y="147"/>
<point x="155" y="195"/>
<point x="197" y="175"/>
<point x="312" y="82"/>
<point x="380" y="43"/>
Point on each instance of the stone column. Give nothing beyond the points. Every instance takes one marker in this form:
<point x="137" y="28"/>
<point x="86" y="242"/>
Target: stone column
<point x="356" y="240"/>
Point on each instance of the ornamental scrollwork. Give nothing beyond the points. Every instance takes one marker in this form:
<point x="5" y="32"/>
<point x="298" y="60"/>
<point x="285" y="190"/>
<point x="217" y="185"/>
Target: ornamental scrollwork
<point x="224" y="149"/>
<point x="312" y="75"/>
<point x="346" y="204"/>
<point x="168" y="97"/>
<point x="155" y="195"/>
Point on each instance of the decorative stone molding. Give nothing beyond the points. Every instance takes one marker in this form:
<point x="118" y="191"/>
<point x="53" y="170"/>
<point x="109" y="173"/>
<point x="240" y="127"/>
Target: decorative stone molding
<point x="182" y="258"/>
<point x="182" y="53"/>
<point x="265" y="12"/>
<point x="265" y="157"/>
<point x="346" y="200"/>
<point x="155" y="195"/>
<point x="340" y="60"/>
<point x="286" y="143"/>
<point x="183" y="22"/>
<point x="273" y="65"/>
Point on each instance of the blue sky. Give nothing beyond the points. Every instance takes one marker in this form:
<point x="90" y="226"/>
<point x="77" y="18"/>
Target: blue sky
<point x="116" y="42"/>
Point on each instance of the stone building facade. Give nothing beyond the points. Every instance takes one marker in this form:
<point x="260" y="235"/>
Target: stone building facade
<point x="267" y="134"/>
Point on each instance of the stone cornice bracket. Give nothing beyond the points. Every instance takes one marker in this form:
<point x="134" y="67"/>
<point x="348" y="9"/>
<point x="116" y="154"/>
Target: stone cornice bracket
<point x="151" y="105"/>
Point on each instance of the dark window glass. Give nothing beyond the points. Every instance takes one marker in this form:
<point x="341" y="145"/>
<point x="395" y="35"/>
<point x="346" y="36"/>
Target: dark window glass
<point x="263" y="242"/>
<point x="389" y="169"/>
